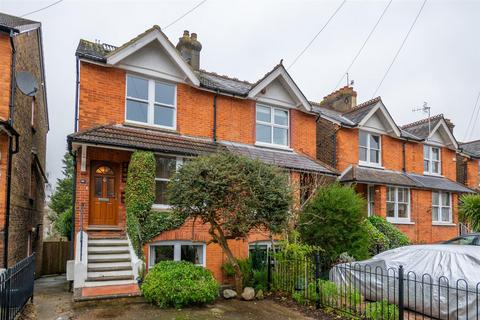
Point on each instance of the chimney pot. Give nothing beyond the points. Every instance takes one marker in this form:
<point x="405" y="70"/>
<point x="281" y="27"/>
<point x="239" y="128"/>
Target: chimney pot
<point x="189" y="48"/>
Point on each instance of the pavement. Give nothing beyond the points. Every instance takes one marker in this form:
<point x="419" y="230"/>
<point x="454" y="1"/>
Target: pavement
<point x="53" y="300"/>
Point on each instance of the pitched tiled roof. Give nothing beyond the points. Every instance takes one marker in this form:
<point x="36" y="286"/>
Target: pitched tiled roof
<point x="171" y="143"/>
<point x="438" y="183"/>
<point x="420" y="128"/>
<point x="224" y="84"/>
<point x="472" y="148"/>
<point x="145" y="139"/>
<point x="376" y="176"/>
<point x="389" y="177"/>
<point x="17" y="24"/>
<point x="285" y="159"/>
<point x="94" y="51"/>
<point x="357" y="114"/>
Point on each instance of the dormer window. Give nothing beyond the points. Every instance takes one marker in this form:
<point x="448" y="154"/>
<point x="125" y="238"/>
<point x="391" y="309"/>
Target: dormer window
<point x="272" y="126"/>
<point x="431" y="160"/>
<point x="369" y="152"/>
<point x="150" y="102"/>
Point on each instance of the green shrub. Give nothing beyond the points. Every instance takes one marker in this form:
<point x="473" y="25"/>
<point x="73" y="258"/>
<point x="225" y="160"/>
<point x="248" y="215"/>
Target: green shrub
<point x="260" y="279"/>
<point x="246" y="268"/>
<point x="63" y="224"/>
<point x="179" y="284"/>
<point x="395" y="237"/>
<point x="469" y="210"/>
<point x="381" y="310"/>
<point x="328" y="292"/>
<point x="378" y="242"/>
<point x="333" y="221"/>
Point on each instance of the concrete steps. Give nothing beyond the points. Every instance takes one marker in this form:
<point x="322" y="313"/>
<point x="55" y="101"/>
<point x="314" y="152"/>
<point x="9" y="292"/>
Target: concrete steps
<point x="109" y="263"/>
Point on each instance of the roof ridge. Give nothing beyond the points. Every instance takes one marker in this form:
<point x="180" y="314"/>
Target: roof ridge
<point x="365" y="104"/>
<point x="473" y="141"/>
<point x="224" y="76"/>
<point x="268" y="73"/>
<point x="421" y="121"/>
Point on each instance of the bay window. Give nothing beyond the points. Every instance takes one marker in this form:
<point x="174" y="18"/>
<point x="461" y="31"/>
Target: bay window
<point x="398" y="204"/>
<point x="441" y="207"/>
<point x="150" y="102"/>
<point x="431" y="160"/>
<point x="193" y="252"/>
<point x="369" y="152"/>
<point x="272" y="126"/>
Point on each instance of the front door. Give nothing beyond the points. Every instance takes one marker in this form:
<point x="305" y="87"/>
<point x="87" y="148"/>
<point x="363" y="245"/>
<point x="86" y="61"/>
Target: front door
<point x="103" y="195"/>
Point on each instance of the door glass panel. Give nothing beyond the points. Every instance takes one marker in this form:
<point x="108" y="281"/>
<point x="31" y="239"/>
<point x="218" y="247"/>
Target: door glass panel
<point x="98" y="187"/>
<point x="110" y="187"/>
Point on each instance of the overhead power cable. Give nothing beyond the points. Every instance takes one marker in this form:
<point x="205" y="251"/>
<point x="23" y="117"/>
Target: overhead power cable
<point x="400" y="48"/>
<point x="318" y="33"/>
<point x="363" y="45"/>
<point x="184" y="15"/>
<point x="41" y="9"/>
<point x="465" y="137"/>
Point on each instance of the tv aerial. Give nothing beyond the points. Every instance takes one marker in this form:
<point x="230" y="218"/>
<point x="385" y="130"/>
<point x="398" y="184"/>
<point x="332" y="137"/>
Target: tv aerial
<point x="27" y="83"/>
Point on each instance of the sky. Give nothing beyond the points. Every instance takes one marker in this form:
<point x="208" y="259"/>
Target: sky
<point x="439" y="63"/>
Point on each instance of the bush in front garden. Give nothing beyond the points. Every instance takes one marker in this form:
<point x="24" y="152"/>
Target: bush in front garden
<point x="395" y="237"/>
<point x="333" y="220"/>
<point x="179" y="284"/>
<point x="378" y="242"/>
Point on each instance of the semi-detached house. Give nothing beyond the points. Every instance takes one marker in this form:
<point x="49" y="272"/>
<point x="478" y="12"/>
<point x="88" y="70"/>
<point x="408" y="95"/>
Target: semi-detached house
<point x="151" y="95"/>
<point x="408" y="174"/>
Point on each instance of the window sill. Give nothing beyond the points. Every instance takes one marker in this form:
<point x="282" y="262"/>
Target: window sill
<point x="370" y="165"/>
<point x="161" y="207"/>
<point x="444" y="224"/>
<point x="395" y="221"/>
<point x="432" y="174"/>
<point x="273" y="146"/>
<point x="150" y="126"/>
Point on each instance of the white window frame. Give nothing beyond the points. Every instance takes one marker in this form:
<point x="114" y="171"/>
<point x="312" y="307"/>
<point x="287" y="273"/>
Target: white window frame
<point x="395" y="218"/>
<point x="272" y="125"/>
<point x="441" y="207"/>
<point x="431" y="160"/>
<point x="368" y="162"/>
<point x="371" y="200"/>
<point x="178" y="164"/>
<point x="176" y="250"/>
<point x="151" y="102"/>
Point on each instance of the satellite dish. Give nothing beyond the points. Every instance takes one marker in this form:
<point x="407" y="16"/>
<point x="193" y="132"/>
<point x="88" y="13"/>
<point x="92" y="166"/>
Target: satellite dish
<point x="27" y="83"/>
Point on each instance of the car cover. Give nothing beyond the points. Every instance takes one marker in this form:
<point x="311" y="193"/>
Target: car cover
<point x="441" y="281"/>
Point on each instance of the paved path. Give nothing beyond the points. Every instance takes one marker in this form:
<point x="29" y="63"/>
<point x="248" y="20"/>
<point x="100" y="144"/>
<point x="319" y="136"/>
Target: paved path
<point x="53" y="300"/>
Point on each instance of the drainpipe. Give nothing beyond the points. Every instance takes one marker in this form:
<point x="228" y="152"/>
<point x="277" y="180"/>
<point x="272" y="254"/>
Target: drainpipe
<point x="11" y="151"/>
<point x="404" y="161"/>
<point x="215" y="116"/>
<point x="77" y="88"/>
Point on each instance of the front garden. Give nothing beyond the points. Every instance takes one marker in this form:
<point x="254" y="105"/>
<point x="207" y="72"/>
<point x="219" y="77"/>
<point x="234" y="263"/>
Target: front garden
<point x="235" y="195"/>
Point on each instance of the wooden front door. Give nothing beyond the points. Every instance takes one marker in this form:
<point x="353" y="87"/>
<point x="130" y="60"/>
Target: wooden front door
<point x="103" y="195"/>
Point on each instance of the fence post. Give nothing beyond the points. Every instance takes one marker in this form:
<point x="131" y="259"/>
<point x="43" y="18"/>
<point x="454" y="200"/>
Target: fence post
<point x="401" y="307"/>
<point x="269" y="271"/>
<point x="317" y="277"/>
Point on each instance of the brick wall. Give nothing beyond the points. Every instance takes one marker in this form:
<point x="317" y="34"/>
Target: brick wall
<point x="326" y="141"/>
<point x="102" y="101"/>
<point x="473" y="173"/>
<point x="346" y="148"/>
<point x="5" y="67"/>
<point x="26" y="211"/>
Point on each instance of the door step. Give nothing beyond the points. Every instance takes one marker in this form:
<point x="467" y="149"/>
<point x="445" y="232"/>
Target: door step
<point x="99" y="258"/>
<point x="109" y="278"/>
<point x="107" y="250"/>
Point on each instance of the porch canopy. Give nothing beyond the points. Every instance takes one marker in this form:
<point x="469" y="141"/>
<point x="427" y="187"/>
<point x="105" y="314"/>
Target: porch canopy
<point x="389" y="177"/>
<point x="135" y="138"/>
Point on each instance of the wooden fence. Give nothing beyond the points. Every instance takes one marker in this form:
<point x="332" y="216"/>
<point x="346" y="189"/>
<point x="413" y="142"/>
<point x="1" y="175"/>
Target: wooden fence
<point x="55" y="256"/>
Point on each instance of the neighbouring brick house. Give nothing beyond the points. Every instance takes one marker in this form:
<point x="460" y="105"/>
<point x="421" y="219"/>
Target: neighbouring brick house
<point x="468" y="164"/>
<point x="407" y="174"/>
<point x="23" y="132"/>
<point x="150" y="95"/>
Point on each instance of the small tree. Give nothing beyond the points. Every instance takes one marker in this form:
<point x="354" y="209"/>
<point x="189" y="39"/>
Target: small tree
<point x="333" y="221"/>
<point x="61" y="199"/>
<point x="234" y="195"/>
<point x="469" y="210"/>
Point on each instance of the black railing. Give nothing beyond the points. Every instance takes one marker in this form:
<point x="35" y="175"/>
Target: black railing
<point x="373" y="292"/>
<point x="16" y="287"/>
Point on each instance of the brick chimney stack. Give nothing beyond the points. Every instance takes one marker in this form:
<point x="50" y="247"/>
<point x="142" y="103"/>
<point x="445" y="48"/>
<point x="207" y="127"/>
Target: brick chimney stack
<point x="189" y="48"/>
<point x="342" y="100"/>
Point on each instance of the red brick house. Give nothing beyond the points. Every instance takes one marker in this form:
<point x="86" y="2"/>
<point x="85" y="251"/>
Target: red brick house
<point x="468" y="164"/>
<point x="23" y="138"/>
<point x="150" y="95"/>
<point x="407" y="174"/>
